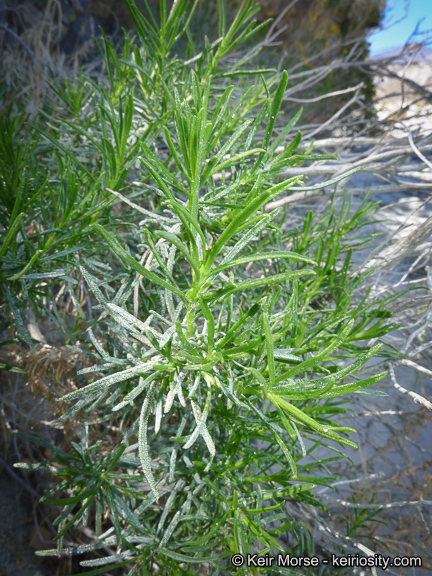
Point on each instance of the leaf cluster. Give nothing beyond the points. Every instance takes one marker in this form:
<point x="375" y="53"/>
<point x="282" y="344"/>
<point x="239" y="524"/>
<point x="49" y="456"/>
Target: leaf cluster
<point x="225" y="343"/>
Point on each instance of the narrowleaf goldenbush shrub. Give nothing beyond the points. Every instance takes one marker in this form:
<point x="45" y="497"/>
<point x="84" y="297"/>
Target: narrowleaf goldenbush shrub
<point x="224" y="343"/>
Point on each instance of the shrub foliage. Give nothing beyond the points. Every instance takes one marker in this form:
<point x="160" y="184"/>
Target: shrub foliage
<point x="225" y="342"/>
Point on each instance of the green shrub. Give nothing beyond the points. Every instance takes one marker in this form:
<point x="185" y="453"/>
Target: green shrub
<point x="226" y="342"/>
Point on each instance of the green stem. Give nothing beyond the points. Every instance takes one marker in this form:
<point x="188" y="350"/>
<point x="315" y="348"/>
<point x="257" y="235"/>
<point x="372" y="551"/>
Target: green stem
<point x="38" y="254"/>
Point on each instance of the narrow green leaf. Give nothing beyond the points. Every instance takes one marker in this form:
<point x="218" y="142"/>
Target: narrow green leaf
<point x="256" y="282"/>
<point x="269" y="345"/>
<point x="108" y="381"/>
<point x="73" y="499"/>
<point x="256" y="229"/>
<point x="233" y="331"/>
<point x="301" y="416"/>
<point x="200" y="419"/>
<point x="29" y="265"/>
<point x="310" y="362"/>
<point x="210" y="323"/>
<point x="20" y="327"/>
<point x="353" y="386"/>
<point x="328" y="182"/>
<point x="275" y="107"/>
<point x="59" y="146"/>
<point x="71" y="522"/>
<point x="116" y="457"/>
<point x="142" y="440"/>
<point x="106" y="560"/>
<point x="216" y="528"/>
<point x="234" y="225"/>
<point x="286" y="130"/>
<point x="234" y="160"/>
<point x="104" y="569"/>
<point x="127" y="258"/>
<point x="188" y="559"/>
<point x="181" y="246"/>
<point x="287" y="492"/>
<point x="262" y="256"/>
<point x="11" y="234"/>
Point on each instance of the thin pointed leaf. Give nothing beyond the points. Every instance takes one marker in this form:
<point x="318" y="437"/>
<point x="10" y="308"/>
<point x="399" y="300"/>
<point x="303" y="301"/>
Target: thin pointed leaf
<point x="127" y="258"/>
<point x="263" y="256"/>
<point x="142" y="440"/>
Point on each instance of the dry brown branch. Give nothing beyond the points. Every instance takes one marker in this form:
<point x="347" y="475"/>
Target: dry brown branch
<point x="395" y="253"/>
<point x="416" y="397"/>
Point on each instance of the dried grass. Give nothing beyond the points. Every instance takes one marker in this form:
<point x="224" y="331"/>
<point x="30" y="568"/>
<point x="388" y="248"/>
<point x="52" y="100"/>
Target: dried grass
<point x="50" y="370"/>
<point x="29" y="66"/>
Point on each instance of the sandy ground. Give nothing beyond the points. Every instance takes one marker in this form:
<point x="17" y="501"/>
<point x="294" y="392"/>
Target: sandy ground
<point x="395" y="94"/>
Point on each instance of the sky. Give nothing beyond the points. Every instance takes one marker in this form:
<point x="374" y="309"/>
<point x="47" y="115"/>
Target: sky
<point x="409" y="12"/>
